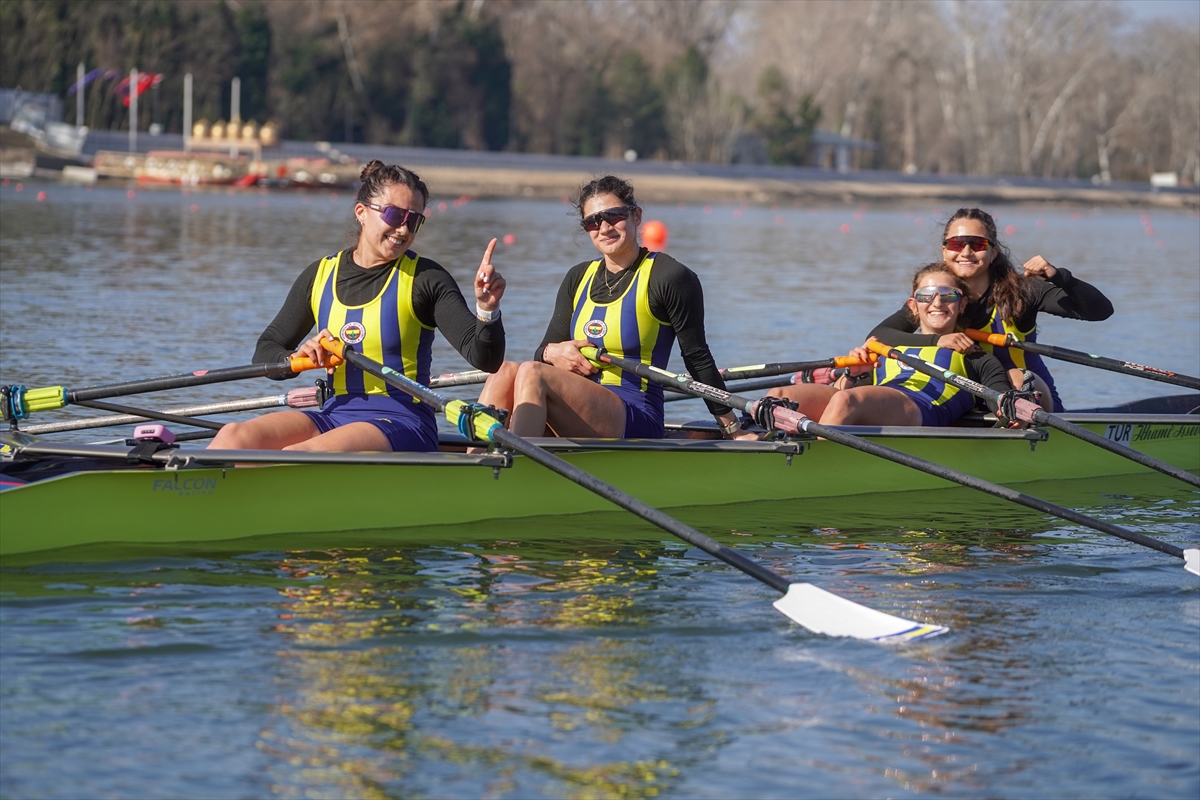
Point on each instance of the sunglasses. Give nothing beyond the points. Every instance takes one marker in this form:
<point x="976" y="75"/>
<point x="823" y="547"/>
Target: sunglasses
<point x="978" y="244"/>
<point x="948" y="294"/>
<point x="610" y="215"/>
<point x="396" y="217"/>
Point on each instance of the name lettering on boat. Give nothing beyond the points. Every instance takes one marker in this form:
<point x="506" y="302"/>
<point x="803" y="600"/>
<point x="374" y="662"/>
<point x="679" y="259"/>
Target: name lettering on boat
<point x="1119" y="433"/>
<point x="185" y="486"/>
<point x="1128" y="434"/>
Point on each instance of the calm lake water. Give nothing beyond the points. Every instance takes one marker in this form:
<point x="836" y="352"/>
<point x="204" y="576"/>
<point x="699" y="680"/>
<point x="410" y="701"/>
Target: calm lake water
<point x="596" y="657"/>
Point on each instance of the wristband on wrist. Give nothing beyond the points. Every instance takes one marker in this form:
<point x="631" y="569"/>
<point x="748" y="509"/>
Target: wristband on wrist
<point x="731" y="428"/>
<point x="486" y="316"/>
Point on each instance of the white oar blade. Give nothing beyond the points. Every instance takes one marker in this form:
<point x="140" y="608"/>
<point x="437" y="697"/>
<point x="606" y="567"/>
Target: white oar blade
<point x="826" y="613"/>
<point x="1191" y="561"/>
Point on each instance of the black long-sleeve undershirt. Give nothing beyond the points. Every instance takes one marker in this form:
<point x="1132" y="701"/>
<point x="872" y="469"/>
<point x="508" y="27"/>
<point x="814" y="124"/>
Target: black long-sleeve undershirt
<point x="437" y="302"/>
<point x="1063" y="295"/>
<point x="675" y="296"/>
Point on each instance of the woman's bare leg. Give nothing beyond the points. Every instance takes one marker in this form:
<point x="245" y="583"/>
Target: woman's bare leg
<point x="353" y="437"/>
<point x="498" y="390"/>
<point x="871" y="405"/>
<point x="570" y="404"/>
<point x="273" y="431"/>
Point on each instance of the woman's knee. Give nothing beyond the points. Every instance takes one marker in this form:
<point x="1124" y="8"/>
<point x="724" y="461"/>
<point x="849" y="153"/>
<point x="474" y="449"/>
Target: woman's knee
<point x="840" y="408"/>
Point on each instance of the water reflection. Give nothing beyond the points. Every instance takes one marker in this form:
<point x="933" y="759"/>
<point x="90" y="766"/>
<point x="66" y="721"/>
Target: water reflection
<point x="368" y="712"/>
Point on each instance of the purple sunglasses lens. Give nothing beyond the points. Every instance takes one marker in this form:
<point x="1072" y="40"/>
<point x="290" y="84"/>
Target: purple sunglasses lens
<point x="395" y="217"/>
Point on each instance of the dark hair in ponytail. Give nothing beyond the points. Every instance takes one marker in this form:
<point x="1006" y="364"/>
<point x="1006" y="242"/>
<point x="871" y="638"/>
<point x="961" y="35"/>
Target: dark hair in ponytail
<point x="1010" y="291"/>
<point x="376" y="177"/>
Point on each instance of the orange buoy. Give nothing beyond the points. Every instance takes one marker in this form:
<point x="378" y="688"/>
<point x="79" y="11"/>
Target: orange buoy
<point x="654" y="235"/>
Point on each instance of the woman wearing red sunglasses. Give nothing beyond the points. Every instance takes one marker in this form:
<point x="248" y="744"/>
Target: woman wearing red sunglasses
<point x="386" y="300"/>
<point x="634" y="303"/>
<point x="1001" y="300"/>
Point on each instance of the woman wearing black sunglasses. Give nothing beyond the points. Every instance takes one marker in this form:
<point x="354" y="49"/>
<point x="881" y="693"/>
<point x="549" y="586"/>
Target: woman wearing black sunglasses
<point x="633" y="302"/>
<point x="1001" y="300"/>
<point x="386" y="300"/>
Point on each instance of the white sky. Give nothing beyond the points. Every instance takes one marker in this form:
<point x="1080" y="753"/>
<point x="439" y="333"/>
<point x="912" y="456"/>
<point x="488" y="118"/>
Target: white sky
<point x="1182" y="11"/>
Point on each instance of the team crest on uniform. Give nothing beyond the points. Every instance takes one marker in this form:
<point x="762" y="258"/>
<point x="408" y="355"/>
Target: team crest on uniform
<point x="352" y="333"/>
<point x="595" y="329"/>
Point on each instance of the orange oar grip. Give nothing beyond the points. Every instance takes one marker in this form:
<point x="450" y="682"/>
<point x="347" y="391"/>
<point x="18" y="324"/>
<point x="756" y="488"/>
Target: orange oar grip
<point x="334" y="346"/>
<point x="302" y="363"/>
<point x="851" y="361"/>
<point x="998" y="339"/>
<point x="878" y="347"/>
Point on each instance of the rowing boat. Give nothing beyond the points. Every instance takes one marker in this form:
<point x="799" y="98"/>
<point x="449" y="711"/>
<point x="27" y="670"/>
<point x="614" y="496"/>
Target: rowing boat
<point x="59" y="494"/>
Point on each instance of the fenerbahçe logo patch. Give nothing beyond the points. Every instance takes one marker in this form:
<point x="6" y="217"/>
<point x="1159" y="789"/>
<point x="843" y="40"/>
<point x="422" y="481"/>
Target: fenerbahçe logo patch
<point x="352" y="333"/>
<point x="595" y="329"/>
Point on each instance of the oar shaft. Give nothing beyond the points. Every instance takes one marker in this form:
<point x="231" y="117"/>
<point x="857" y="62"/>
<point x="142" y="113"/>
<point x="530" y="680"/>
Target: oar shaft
<point x="752" y="385"/>
<point x="1031" y="412"/>
<point x="1086" y="359"/>
<point x="297" y="398"/>
<point x="785" y="367"/>
<point x="148" y="414"/>
<point x="465" y="378"/>
<point x="790" y="421"/>
<point x="21" y="401"/>
<point x="630" y="503"/>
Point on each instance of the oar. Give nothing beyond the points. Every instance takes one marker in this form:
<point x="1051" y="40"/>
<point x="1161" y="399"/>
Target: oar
<point x="296" y="398"/>
<point x="814" y="608"/>
<point x="1087" y="359"/>
<point x="753" y="385"/>
<point x="784" y="367"/>
<point x="1028" y="411"/>
<point x="774" y="413"/>
<point x="17" y="402"/>
<point x="464" y="378"/>
<point x="768" y="376"/>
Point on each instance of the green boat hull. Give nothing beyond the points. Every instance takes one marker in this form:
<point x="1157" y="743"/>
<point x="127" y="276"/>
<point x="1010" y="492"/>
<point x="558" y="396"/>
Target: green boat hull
<point x="394" y="503"/>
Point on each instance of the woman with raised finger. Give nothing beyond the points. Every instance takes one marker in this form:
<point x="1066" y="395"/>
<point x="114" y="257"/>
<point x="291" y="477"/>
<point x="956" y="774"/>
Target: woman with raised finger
<point x="1001" y="299"/>
<point x="631" y="301"/>
<point x="386" y="300"/>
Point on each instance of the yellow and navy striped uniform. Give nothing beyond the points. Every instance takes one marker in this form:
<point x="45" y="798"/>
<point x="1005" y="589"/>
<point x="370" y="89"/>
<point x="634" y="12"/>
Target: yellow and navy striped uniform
<point x="940" y="403"/>
<point x="385" y="329"/>
<point x="626" y="328"/>
<point x="1011" y="357"/>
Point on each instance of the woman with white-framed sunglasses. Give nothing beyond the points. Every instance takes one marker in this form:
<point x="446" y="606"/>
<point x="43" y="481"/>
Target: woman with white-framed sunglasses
<point x="386" y="300"/>
<point x="631" y="301"/>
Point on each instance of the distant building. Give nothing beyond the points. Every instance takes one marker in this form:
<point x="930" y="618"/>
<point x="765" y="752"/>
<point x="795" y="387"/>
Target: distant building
<point x="825" y="143"/>
<point x="826" y="149"/>
<point x="46" y="107"/>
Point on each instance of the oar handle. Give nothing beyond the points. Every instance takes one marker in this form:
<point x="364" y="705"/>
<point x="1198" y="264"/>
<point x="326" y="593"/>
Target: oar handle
<point x="851" y="361"/>
<point x="998" y="339"/>
<point x="304" y="363"/>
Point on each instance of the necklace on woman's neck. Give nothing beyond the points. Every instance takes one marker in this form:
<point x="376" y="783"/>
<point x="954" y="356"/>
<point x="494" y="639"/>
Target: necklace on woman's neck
<point x="612" y="288"/>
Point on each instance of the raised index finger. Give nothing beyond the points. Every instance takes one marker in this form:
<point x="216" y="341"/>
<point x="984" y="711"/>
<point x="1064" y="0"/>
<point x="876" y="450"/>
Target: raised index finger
<point x="487" y="254"/>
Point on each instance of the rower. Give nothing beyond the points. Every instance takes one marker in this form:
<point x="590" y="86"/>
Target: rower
<point x="896" y="395"/>
<point x="634" y="303"/>
<point x="386" y="301"/>
<point x="1001" y="300"/>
